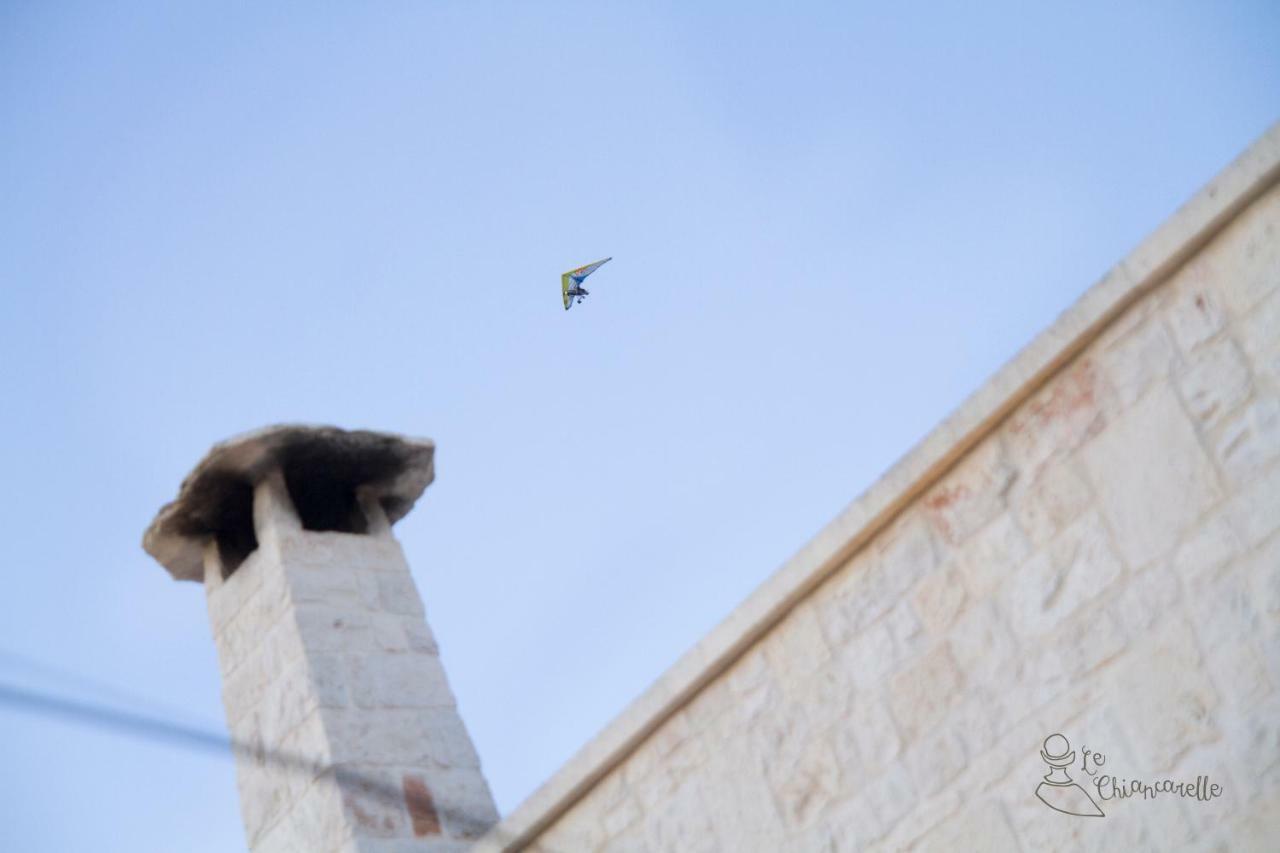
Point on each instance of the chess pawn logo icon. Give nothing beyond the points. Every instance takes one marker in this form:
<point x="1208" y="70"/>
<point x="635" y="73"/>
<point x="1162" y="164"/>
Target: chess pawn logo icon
<point x="1058" y="791"/>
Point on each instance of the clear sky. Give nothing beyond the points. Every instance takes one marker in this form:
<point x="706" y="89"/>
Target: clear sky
<point x="829" y="225"/>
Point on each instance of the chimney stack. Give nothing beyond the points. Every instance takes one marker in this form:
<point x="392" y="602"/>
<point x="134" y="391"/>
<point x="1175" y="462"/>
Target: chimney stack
<point x="332" y="683"/>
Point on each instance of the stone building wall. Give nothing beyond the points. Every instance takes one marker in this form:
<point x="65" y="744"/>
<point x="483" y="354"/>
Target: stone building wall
<point x="1103" y="563"/>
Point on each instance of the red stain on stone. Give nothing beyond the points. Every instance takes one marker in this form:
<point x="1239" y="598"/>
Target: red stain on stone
<point x="946" y="496"/>
<point x="939" y="501"/>
<point x="422" y="809"/>
<point x="1075" y="392"/>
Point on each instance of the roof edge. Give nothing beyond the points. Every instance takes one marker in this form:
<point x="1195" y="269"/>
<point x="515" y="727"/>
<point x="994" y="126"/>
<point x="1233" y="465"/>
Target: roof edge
<point x="1146" y="267"/>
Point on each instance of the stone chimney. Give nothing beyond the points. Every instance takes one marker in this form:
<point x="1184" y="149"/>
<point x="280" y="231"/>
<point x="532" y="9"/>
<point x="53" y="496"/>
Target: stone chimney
<point x="348" y="737"/>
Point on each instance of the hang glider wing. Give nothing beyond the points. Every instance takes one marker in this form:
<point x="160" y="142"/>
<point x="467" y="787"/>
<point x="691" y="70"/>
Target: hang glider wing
<point x="574" y="278"/>
<point x="582" y="272"/>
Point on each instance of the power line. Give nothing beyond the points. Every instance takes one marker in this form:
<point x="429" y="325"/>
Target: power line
<point x="179" y="734"/>
<point x="78" y="683"/>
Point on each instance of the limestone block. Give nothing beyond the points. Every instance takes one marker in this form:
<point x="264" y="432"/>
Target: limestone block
<point x="1226" y="611"/>
<point x="1215" y="382"/>
<point x="906" y="547"/>
<point x="990" y="765"/>
<point x="1240" y="672"/>
<point x="418" y="737"/>
<point x="621" y="817"/>
<point x="1151" y="477"/>
<point x="423" y="845"/>
<point x="810" y="786"/>
<point x="333" y="629"/>
<point x="1088" y="641"/>
<point x="739" y="802"/>
<point x="1138" y="361"/>
<point x="707" y="708"/>
<point x="323" y="582"/>
<point x="682" y="824"/>
<point x="923" y="693"/>
<point x="845" y="613"/>
<point x="244" y="688"/>
<point x="389" y="632"/>
<point x="687" y="759"/>
<point x="936" y="759"/>
<point x="852" y="826"/>
<point x="462" y="799"/>
<point x="830" y="692"/>
<point x="244" y="631"/>
<point x="981" y="643"/>
<point x="923" y="818"/>
<point x="1249" y="439"/>
<point x="1254" y="741"/>
<point x="1255" y="829"/>
<point x="988" y="558"/>
<point x="750" y="671"/>
<point x="356" y="554"/>
<point x="971" y="495"/>
<point x="287" y="701"/>
<point x="370" y="801"/>
<point x="315" y="823"/>
<point x="612" y="790"/>
<point x="397" y="594"/>
<point x="1058" y="419"/>
<point x="1261" y="569"/>
<point x="1259" y="336"/>
<point x="1085" y="553"/>
<point x="874" y="731"/>
<point x="1053" y="500"/>
<point x="1194" y="313"/>
<point x="908" y="633"/>
<point x="1251" y="513"/>
<point x="1208" y="548"/>
<point x="780" y="737"/>
<point x="874" y="583"/>
<point x="938" y="598"/>
<point x="398" y="681"/>
<point x="657" y="749"/>
<point x="630" y="843"/>
<point x="305" y="751"/>
<point x="1032" y="600"/>
<point x="1246" y="255"/>
<point x="264" y="792"/>
<point x="842" y="741"/>
<point x="980" y="825"/>
<point x="795" y="648"/>
<point x="232" y="593"/>
<point x="890" y="797"/>
<point x="1169" y="700"/>
<point x="328" y="673"/>
<point x="1148" y="598"/>
<point x="871" y="657"/>
<point x="370" y="595"/>
<point x="575" y="831"/>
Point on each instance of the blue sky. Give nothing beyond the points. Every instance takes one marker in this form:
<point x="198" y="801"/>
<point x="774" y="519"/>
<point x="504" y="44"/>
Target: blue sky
<point x="829" y="225"/>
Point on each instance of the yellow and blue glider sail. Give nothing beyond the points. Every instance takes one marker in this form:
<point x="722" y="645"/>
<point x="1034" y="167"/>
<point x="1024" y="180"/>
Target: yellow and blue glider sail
<point x="571" y="281"/>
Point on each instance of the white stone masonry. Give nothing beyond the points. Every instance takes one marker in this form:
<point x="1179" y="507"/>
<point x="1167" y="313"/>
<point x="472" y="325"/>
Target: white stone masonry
<point x="333" y="681"/>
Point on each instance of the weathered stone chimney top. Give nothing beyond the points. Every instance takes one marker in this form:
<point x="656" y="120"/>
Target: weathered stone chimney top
<point x="350" y="736"/>
<point x="338" y="480"/>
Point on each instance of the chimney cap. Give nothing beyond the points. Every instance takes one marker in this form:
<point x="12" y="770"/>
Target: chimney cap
<point x="394" y="468"/>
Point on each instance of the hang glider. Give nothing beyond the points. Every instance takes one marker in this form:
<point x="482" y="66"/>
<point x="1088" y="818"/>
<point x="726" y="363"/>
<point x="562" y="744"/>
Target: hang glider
<point x="571" y="282"/>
